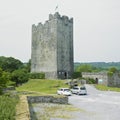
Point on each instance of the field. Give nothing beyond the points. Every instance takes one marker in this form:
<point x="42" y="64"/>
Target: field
<point x="50" y="86"/>
<point x="42" y="86"/>
<point x="105" y="88"/>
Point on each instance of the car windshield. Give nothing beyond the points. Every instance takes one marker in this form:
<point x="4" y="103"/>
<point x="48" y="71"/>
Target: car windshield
<point x="66" y="90"/>
<point x="76" y="88"/>
<point x="83" y="88"/>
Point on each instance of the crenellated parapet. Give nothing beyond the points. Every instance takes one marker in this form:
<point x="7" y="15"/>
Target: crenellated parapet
<point x="59" y="17"/>
<point x="52" y="17"/>
<point x="37" y="27"/>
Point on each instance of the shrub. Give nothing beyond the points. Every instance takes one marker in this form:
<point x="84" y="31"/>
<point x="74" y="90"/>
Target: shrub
<point x="76" y="75"/>
<point x="19" y="76"/>
<point x="37" y="76"/>
<point x="90" y="81"/>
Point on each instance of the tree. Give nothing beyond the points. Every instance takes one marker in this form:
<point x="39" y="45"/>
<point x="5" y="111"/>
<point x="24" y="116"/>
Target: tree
<point x="113" y="69"/>
<point x="4" y="79"/>
<point x="27" y="65"/>
<point x="10" y="64"/>
<point x="19" y="76"/>
<point x="84" y="68"/>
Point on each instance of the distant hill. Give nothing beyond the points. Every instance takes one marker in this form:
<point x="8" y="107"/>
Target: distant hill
<point x="103" y="65"/>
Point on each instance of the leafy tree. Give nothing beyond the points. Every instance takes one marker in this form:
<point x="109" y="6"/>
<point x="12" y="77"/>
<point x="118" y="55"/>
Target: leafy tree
<point x="10" y="64"/>
<point x="84" y="68"/>
<point x="76" y="75"/>
<point x="27" y="65"/>
<point x="19" y="76"/>
<point x="113" y="69"/>
<point x="4" y="79"/>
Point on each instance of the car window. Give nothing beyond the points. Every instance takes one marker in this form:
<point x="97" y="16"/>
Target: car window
<point x="75" y="88"/>
<point x="66" y="90"/>
<point x="83" y="88"/>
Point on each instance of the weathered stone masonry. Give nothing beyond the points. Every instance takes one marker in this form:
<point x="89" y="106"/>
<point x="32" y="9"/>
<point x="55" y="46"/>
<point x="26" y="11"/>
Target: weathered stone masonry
<point x="104" y="78"/>
<point x="52" y="47"/>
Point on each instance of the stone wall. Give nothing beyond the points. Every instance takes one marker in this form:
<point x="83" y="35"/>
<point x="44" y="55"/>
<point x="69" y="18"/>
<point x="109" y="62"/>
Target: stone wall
<point x="47" y="99"/>
<point x="103" y="78"/>
<point x="100" y="77"/>
<point x="114" y="80"/>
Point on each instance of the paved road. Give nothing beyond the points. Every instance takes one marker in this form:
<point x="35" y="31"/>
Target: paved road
<point x="97" y="105"/>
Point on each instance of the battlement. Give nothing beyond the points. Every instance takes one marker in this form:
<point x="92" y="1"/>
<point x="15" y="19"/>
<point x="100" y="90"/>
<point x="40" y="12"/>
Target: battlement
<point x="55" y="16"/>
<point x="59" y="17"/>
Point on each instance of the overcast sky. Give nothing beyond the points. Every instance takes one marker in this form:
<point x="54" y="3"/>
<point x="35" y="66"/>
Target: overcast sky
<point x="96" y="27"/>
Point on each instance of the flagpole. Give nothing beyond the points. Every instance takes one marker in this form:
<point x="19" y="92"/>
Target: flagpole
<point x="56" y="8"/>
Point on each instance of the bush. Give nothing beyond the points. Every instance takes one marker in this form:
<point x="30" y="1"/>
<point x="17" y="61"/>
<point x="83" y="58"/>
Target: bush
<point x="90" y="81"/>
<point x="37" y="76"/>
<point x="76" y="75"/>
<point x="19" y="76"/>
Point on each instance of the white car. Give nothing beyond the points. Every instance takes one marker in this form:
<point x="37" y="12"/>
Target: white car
<point x="79" y="90"/>
<point x="64" y="91"/>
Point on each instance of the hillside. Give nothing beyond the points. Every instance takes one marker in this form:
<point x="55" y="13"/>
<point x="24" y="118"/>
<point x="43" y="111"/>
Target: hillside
<point x="102" y="65"/>
<point x="42" y="86"/>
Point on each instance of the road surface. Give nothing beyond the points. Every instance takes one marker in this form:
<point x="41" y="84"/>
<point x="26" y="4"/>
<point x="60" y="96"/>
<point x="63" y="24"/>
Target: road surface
<point x="97" y="105"/>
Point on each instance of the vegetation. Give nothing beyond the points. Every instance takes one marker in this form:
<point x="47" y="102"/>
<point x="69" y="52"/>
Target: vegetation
<point x="76" y="75"/>
<point x="12" y="72"/>
<point x="90" y="81"/>
<point x="105" y="88"/>
<point x="37" y="75"/>
<point x="100" y="65"/>
<point x="110" y="68"/>
<point x="42" y="86"/>
<point x="79" y="68"/>
<point x="8" y="107"/>
<point x="111" y="71"/>
<point x="4" y="78"/>
<point x="19" y="76"/>
<point x="85" y="68"/>
<point x="10" y="64"/>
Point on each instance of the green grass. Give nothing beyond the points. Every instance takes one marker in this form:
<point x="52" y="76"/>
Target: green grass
<point x="8" y="107"/>
<point x="105" y="88"/>
<point x="43" y="86"/>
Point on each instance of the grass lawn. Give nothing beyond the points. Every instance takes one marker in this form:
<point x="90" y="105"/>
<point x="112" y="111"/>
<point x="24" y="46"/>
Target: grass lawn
<point x="105" y="88"/>
<point x="43" y="86"/>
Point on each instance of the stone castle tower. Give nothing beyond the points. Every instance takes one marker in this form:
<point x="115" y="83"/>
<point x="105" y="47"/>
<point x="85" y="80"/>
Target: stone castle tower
<point x="52" y="47"/>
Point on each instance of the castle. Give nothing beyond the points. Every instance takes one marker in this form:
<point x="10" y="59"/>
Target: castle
<point x="52" y="47"/>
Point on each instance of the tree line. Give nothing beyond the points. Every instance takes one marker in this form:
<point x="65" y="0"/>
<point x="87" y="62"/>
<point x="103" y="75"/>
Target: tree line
<point x="110" y="68"/>
<point x="13" y="72"/>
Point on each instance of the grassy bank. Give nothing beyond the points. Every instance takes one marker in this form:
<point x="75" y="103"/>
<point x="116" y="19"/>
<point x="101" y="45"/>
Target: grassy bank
<point x="8" y="107"/>
<point x="105" y="88"/>
<point x="42" y="86"/>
